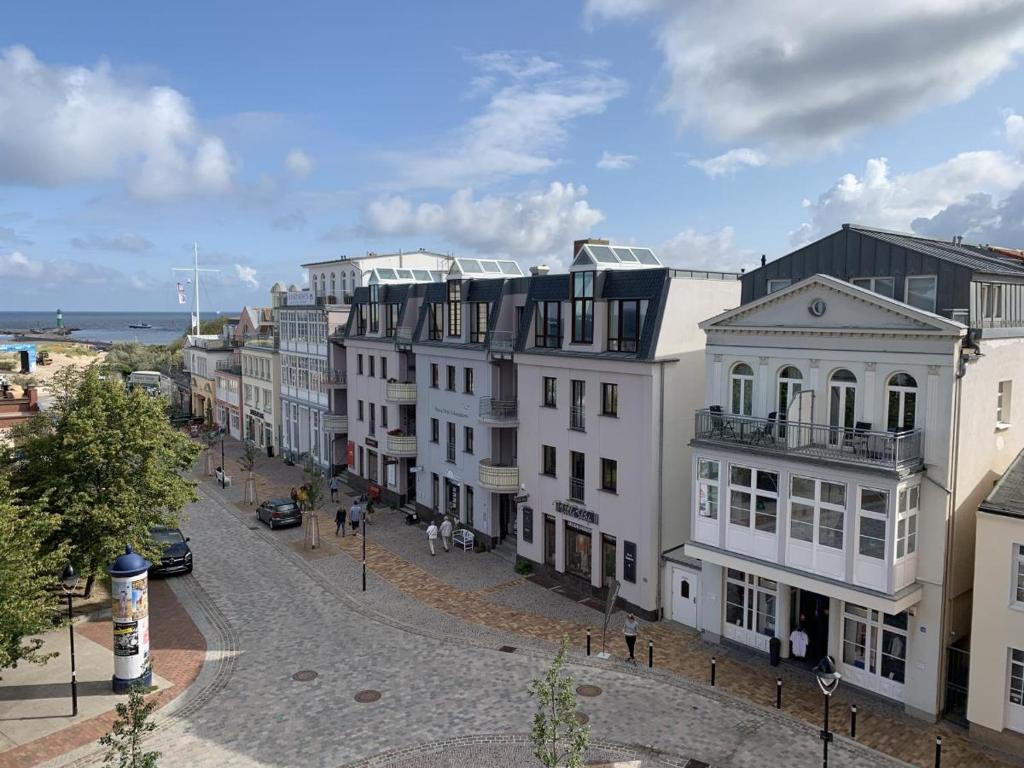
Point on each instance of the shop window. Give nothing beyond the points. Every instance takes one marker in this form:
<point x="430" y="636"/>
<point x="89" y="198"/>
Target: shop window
<point x="750" y="602"/>
<point x="578" y="551"/>
<point x="874" y="642"/>
<point x="1016" y="686"/>
<point x="753" y="498"/>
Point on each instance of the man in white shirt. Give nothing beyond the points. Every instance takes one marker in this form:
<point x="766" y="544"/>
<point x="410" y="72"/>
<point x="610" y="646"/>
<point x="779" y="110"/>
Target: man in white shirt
<point x="432" y="536"/>
<point x="446" y="534"/>
<point x="798" y="641"/>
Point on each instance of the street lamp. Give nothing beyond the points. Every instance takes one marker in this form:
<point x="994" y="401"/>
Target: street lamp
<point x="223" y="469"/>
<point x="68" y="582"/>
<point x="364" y="548"/>
<point x="828" y="681"/>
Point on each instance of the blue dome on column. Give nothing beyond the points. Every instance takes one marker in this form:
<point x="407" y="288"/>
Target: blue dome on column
<point x="129" y="564"/>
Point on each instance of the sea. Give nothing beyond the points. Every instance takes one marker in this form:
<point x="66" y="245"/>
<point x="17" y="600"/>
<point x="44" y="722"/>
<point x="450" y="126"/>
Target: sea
<point x="105" y="326"/>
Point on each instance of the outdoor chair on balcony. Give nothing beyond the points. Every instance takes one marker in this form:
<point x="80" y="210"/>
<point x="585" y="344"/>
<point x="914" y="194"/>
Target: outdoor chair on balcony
<point x="859" y="439"/>
<point x="719" y="424"/>
<point x="765" y="433"/>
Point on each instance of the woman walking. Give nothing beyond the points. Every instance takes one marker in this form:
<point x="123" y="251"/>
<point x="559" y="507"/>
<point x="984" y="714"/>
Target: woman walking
<point x="631" y="627"/>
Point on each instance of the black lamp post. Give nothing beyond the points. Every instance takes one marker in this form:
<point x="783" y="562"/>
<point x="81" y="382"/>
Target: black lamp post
<point x="223" y="471"/>
<point x="68" y="582"/>
<point x="828" y="681"/>
<point x="364" y="548"/>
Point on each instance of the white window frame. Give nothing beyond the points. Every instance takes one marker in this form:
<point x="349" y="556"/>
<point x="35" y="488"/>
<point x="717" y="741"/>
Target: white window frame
<point x="908" y="502"/>
<point x="743" y="385"/>
<point x="935" y="289"/>
<point x="815" y="555"/>
<point x="778" y="284"/>
<point x="709" y="498"/>
<point x="1004" y="401"/>
<point x="1015" y="679"/>
<point x="1017" y="586"/>
<point x="871" y="284"/>
<point x="754" y="538"/>
<point x="903" y="394"/>
<point x="990" y="301"/>
<point x="876" y="650"/>
<point x="756" y="626"/>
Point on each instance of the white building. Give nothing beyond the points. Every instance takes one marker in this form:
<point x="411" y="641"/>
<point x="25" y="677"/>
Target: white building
<point x="846" y="441"/>
<point x="609" y="370"/>
<point x="261" y="392"/>
<point x="200" y="358"/>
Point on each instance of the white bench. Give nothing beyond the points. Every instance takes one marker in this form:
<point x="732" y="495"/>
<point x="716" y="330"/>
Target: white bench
<point x="463" y="538"/>
<point x="224" y="480"/>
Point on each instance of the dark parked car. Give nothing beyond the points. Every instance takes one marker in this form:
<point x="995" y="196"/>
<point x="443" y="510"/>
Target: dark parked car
<point x="278" y="513"/>
<point x="177" y="556"/>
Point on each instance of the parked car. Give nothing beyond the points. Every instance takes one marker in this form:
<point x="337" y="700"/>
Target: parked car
<point x="177" y="555"/>
<point x="278" y="513"/>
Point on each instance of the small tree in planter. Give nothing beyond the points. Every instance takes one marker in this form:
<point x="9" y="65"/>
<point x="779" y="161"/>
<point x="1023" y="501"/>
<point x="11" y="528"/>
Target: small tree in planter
<point x="314" y="487"/>
<point x="124" y="742"/>
<point x="247" y="461"/>
<point x="559" y="740"/>
<point x="209" y="438"/>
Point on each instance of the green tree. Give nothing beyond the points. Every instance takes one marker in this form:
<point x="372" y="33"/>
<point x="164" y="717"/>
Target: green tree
<point x="126" y="357"/>
<point x="210" y="437"/>
<point x="28" y="572"/>
<point x="559" y="740"/>
<point x="124" y="742"/>
<point x="107" y="463"/>
<point x="247" y="462"/>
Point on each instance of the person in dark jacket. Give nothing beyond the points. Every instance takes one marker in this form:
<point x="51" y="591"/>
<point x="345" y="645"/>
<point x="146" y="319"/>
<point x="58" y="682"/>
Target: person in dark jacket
<point x="339" y="521"/>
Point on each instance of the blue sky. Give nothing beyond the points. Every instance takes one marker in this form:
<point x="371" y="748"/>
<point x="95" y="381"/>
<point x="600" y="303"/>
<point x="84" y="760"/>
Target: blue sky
<point x="274" y="134"/>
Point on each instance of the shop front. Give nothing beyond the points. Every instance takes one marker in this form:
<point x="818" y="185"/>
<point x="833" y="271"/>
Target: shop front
<point x="874" y="652"/>
<point x="579" y="551"/>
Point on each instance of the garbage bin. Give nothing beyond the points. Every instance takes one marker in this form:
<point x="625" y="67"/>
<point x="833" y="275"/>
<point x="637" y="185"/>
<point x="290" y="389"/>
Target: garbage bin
<point x="270" y="451"/>
<point x="774" y="651"/>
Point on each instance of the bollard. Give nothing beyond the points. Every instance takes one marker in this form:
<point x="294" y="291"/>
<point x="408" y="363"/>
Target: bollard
<point x="938" y="752"/>
<point x="853" y="721"/>
<point x="650" y="654"/>
<point x="712" y="671"/>
<point x="778" y="693"/>
<point x="588" y="642"/>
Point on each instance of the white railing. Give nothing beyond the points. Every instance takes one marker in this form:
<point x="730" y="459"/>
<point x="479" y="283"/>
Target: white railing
<point x="335" y="423"/>
<point x="503" y="478"/>
<point x="401" y="391"/>
<point x="401" y="445"/>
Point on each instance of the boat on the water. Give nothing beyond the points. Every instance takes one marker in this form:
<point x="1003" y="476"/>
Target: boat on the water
<point x="139" y="325"/>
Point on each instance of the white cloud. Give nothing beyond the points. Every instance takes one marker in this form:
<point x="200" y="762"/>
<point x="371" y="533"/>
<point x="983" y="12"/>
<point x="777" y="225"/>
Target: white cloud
<point x="10" y="235"/>
<point x="1014" y="127"/>
<point x="610" y="162"/>
<point x="523" y="125"/>
<point x="68" y="125"/>
<point x="728" y="163"/>
<point x="520" y="66"/>
<point x="895" y="201"/>
<point x="299" y="164"/>
<point x="691" y="249"/>
<point x="796" y="78"/>
<point x="247" y="276"/>
<point x="15" y="264"/>
<point x="530" y="225"/>
<point x="129" y="242"/>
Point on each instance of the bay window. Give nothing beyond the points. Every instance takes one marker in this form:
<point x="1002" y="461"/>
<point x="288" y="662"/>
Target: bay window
<point x="874" y="505"/>
<point x="454" y="307"/>
<point x="906" y="521"/>
<point x="874" y="645"/>
<point x="817" y="513"/>
<point x="707" y="488"/>
<point x="753" y="498"/>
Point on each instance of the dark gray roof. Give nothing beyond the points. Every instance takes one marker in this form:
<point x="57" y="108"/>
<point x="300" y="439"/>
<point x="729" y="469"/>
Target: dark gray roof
<point x="1007" y="498"/>
<point x="974" y="257"/>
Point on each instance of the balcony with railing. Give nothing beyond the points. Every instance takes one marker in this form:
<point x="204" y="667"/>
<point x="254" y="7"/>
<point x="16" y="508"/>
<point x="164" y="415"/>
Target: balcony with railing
<point x="261" y="341"/>
<point x="500" y="413"/>
<point x="896" y="451"/>
<point x="576" y="488"/>
<point x="577" y="418"/>
<point x="404" y="337"/>
<point x="502" y="342"/>
<point x="401" y="392"/>
<point x="336" y="423"/>
<point x="497" y="477"/>
<point x="336" y="379"/>
<point x="401" y="445"/>
<point x="232" y="368"/>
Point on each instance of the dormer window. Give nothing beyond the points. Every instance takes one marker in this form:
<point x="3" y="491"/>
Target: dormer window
<point x="625" y="321"/>
<point x="374" y="309"/>
<point x="361" y="321"/>
<point x="583" y="307"/>
<point x="391" y="319"/>
<point x="435" y="321"/>
<point x="455" y="308"/>
<point x="548" y="325"/>
<point x="478" y="329"/>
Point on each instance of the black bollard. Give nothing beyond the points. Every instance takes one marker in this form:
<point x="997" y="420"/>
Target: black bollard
<point x="650" y="654"/>
<point x="588" y="642"/>
<point x="938" y="752"/>
<point x="778" y="693"/>
<point x="712" y="671"/>
<point x="853" y="721"/>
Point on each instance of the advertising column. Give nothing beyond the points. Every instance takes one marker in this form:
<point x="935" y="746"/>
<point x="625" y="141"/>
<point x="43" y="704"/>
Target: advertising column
<point x="129" y="593"/>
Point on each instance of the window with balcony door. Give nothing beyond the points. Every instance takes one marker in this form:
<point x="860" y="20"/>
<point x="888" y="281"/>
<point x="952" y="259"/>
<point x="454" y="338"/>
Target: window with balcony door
<point x="790" y="384"/>
<point x="884" y="286"/>
<point x="921" y="292"/>
<point x="454" y="307"/>
<point x="1018" y="571"/>
<point x="625" y="321"/>
<point x="753" y="498"/>
<point x="450" y="455"/>
<point x="609" y="399"/>
<point x="550" y="392"/>
<point x="450" y="371"/>
<point x="842" y="404"/>
<point x="609" y="475"/>
<point x="874" y="644"/>
<point x="434" y="375"/>
<point x="547" y="460"/>
<point x="577" y="414"/>
<point x="478" y="323"/>
<point x="741" y="383"/>
<point x="577" y="475"/>
<point x="435" y="321"/>
<point x="334" y="284"/>
<point x="817" y="515"/>
<point x="583" y="307"/>
<point x="467" y="381"/>
<point x="901" y="396"/>
<point x="547" y="331"/>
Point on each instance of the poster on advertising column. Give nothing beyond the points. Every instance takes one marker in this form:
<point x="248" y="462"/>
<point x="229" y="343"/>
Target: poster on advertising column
<point x="129" y="613"/>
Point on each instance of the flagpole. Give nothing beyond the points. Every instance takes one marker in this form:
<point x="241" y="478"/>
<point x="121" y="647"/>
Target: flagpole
<point x="195" y="270"/>
<point x="195" y="251"/>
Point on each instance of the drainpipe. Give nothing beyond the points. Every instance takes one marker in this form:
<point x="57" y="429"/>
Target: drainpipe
<point x="661" y="489"/>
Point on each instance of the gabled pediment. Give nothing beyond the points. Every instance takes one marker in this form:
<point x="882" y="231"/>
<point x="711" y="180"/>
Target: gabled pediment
<point x="825" y="304"/>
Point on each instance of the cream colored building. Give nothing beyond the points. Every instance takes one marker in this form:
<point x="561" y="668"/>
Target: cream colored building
<point x="261" y="392"/>
<point x="995" y="706"/>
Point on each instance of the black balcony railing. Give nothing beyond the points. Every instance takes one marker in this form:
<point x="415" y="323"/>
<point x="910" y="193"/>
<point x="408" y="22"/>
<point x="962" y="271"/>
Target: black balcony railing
<point x="899" y="451"/>
<point x="576" y="488"/>
<point x="498" y="410"/>
<point x="577" y="419"/>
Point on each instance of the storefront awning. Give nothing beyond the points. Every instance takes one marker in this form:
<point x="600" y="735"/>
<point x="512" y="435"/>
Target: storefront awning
<point x="891" y="604"/>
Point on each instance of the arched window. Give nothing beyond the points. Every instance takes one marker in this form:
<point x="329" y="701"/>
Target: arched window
<point x="334" y="284"/>
<point x="842" y="402"/>
<point x="901" y="395"/>
<point x="742" y="388"/>
<point x="323" y="283"/>
<point x="790" y="384"/>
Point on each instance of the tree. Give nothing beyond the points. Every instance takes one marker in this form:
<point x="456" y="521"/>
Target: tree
<point x="126" y="357"/>
<point x="559" y="740"/>
<point x="247" y="461"/>
<point x="314" y="485"/>
<point x="209" y="437"/>
<point x="124" y="742"/>
<point x="107" y="463"/>
<point x="28" y="573"/>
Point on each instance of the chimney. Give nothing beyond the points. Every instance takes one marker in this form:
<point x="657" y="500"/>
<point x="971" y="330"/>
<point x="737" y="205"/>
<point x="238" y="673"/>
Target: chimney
<point x="540" y="269"/>
<point x="577" y="244"/>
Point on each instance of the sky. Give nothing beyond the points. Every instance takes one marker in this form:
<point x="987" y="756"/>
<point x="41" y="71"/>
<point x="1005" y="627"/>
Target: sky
<point x="274" y="134"/>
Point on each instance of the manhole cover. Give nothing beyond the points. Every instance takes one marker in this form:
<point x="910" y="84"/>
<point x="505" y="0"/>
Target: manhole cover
<point x="696" y="764"/>
<point x="367" y="696"/>
<point x="582" y="719"/>
<point x="588" y="690"/>
<point x="507" y="649"/>
<point x="304" y="676"/>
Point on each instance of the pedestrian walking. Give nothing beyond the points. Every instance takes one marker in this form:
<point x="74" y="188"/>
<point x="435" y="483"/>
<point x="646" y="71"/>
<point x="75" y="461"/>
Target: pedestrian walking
<point x="355" y="516"/>
<point x="446" y="534"/>
<point x="339" y="521"/>
<point x="369" y="511"/>
<point x="303" y="498"/>
<point x="334" y="487"/>
<point x="295" y="496"/>
<point x="432" y="536"/>
<point x="631" y="627"/>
